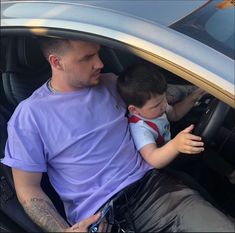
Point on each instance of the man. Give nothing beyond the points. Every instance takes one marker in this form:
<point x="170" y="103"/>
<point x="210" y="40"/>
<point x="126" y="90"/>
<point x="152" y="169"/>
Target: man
<point x="74" y="128"/>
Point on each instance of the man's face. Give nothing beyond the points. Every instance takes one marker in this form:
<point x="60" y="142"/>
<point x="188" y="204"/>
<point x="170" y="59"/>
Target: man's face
<point x="81" y="64"/>
<point x="154" y="107"/>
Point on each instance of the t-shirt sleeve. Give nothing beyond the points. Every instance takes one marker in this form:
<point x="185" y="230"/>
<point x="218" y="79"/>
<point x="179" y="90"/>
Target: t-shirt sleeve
<point x="142" y="136"/>
<point x="24" y="150"/>
<point x="110" y="80"/>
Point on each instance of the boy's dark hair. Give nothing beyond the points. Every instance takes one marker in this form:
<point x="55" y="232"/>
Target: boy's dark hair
<point x="53" y="45"/>
<point x="139" y="82"/>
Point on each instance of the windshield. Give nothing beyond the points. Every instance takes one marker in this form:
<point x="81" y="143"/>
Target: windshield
<point x="212" y="24"/>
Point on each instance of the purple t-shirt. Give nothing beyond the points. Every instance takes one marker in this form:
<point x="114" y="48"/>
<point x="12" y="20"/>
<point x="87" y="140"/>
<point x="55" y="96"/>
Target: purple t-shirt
<point x="81" y="139"/>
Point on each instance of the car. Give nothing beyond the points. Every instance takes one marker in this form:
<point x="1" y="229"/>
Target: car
<point x="191" y="41"/>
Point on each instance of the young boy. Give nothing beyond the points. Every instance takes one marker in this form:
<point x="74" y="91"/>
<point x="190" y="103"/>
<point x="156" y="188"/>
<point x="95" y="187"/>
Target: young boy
<point x="143" y="88"/>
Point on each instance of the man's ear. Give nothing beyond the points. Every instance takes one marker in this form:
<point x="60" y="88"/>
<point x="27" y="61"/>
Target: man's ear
<point x="133" y="109"/>
<point x="55" y="62"/>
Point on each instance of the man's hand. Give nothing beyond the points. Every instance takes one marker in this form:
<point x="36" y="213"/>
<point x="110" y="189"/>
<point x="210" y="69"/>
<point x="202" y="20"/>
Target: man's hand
<point x="84" y="224"/>
<point x="187" y="143"/>
<point x="196" y="95"/>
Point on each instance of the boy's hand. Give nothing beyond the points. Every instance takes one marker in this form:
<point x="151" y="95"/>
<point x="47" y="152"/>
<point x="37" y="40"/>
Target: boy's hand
<point x="187" y="143"/>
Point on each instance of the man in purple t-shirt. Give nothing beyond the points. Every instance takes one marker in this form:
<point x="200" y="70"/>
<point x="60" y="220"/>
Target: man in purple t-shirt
<point x="74" y="128"/>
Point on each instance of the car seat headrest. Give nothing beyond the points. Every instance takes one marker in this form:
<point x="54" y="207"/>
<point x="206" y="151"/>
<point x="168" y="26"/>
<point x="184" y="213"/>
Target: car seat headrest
<point x="26" y="69"/>
<point x="25" y="55"/>
<point x="29" y="53"/>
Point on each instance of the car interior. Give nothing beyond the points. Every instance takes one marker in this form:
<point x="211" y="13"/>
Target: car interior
<point x="24" y="69"/>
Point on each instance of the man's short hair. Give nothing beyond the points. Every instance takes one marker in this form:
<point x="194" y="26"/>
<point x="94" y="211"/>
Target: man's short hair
<point x="51" y="45"/>
<point x="139" y="82"/>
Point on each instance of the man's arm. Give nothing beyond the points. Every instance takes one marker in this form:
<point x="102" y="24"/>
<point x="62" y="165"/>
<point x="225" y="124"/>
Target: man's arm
<point x="181" y="108"/>
<point x="36" y="203"/>
<point x="40" y="208"/>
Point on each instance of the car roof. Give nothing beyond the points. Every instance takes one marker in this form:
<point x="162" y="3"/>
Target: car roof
<point x="151" y="10"/>
<point x="158" y="11"/>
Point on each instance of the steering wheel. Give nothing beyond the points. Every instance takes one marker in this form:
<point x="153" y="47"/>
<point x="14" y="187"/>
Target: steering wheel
<point x="211" y="120"/>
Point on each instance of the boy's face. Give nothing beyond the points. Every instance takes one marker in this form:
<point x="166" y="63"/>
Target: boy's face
<point x="153" y="108"/>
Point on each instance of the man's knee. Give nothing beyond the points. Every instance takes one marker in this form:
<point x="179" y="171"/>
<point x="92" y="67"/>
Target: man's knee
<point x="198" y="215"/>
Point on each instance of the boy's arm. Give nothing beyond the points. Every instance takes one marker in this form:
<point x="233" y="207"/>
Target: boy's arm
<point x="159" y="157"/>
<point x="181" y="108"/>
<point x="184" y="142"/>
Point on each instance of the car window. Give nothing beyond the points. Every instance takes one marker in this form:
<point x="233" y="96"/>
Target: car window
<point x="224" y="30"/>
<point x="212" y="24"/>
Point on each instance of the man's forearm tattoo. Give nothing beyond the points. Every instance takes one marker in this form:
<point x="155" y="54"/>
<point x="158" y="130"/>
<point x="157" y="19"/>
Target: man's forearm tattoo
<point x="45" y="215"/>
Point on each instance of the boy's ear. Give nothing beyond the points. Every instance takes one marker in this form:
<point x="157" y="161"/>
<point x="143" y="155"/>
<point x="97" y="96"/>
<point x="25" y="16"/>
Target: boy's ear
<point x="133" y="109"/>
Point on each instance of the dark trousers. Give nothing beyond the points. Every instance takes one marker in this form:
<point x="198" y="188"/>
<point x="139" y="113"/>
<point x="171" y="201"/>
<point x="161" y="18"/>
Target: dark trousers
<point x="160" y="202"/>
